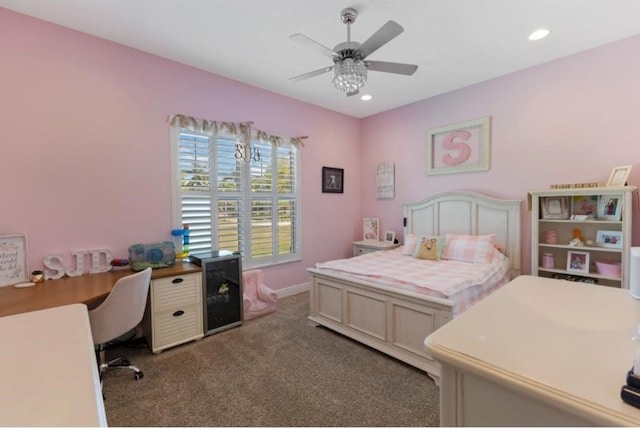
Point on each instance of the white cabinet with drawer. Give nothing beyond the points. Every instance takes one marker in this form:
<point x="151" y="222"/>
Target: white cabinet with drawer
<point x="174" y="311"/>
<point x="370" y="246"/>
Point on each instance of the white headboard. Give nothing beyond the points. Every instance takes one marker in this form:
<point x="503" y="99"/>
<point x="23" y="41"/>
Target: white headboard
<point x="468" y="213"/>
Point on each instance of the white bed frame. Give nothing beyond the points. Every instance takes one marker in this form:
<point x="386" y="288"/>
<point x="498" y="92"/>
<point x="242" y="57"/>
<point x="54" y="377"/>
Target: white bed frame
<point x="394" y="321"/>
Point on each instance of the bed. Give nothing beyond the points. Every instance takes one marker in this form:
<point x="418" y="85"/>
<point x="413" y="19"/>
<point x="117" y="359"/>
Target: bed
<point x="395" y="320"/>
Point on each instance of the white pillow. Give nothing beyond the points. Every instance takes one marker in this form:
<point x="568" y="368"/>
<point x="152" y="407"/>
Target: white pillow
<point x="409" y="246"/>
<point x="469" y="248"/>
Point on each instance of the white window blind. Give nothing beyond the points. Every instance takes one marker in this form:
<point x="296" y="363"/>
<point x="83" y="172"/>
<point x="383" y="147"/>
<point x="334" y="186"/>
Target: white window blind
<point x="251" y="206"/>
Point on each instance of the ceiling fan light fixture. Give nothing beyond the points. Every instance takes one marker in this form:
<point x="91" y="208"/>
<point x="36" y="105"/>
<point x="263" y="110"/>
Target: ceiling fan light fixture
<point x="349" y="75"/>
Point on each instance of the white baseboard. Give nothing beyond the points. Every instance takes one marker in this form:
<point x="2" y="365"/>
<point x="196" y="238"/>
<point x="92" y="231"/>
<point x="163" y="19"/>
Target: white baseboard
<point x="294" y="289"/>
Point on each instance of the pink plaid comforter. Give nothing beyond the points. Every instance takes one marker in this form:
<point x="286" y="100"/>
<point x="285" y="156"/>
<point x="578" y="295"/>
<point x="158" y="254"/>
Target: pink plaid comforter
<point x="462" y="283"/>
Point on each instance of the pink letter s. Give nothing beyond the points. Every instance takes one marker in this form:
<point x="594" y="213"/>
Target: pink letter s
<point x="449" y="144"/>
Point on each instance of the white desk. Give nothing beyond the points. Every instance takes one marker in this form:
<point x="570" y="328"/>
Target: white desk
<point x="48" y="369"/>
<point x="539" y="352"/>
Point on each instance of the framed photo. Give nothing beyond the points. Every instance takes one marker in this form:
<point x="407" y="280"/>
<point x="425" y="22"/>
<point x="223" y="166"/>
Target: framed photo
<point x="332" y="180"/>
<point x="389" y="236"/>
<point x="555" y="207"/>
<point x="13" y="260"/>
<point x="609" y="238"/>
<point x="461" y="147"/>
<point x="578" y="261"/>
<point x="585" y="205"/>
<point x="610" y="207"/>
<point x="371" y="229"/>
<point x="619" y="175"/>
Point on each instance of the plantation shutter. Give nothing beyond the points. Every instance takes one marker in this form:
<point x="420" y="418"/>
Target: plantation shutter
<point x="236" y="194"/>
<point x="229" y="176"/>
<point x="195" y="188"/>
<point x="287" y="199"/>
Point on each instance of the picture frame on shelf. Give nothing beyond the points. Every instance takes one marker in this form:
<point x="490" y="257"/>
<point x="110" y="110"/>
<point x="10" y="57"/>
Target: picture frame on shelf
<point x="371" y="229"/>
<point x="578" y="261"/>
<point x="14" y="267"/>
<point x="332" y="180"/>
<point x="609" y="207"/>
<point x="619" y="176"/>
<point x="609" y="238"/>
<point x="584" y="205"/>
<point x="555" y="208"/>
<point x="389" y="236"/>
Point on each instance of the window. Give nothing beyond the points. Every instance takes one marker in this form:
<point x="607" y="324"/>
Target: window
<point x="251" y="206"/>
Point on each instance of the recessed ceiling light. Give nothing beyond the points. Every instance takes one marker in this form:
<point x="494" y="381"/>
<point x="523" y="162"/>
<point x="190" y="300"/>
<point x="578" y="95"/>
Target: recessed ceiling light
<point x="366" y="97"/>
<point x="540" y="33"/>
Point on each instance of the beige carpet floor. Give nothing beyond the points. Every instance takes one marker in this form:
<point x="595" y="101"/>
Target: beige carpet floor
<point x="275" y="370"/>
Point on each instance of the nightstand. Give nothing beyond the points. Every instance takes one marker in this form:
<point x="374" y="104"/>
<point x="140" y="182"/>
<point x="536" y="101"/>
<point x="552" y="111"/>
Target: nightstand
<point x="370" y="246"/>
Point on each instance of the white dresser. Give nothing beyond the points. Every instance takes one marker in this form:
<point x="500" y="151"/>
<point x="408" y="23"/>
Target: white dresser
<point x="539" y="352"/>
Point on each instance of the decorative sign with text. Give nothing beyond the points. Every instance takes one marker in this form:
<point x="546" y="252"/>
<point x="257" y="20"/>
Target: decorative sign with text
<point x="13" y="259"/>
<point x="55" y="267"/>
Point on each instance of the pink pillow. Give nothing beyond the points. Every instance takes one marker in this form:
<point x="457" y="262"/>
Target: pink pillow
<point x="410" y="242"/>
<point x="469" y="248"/>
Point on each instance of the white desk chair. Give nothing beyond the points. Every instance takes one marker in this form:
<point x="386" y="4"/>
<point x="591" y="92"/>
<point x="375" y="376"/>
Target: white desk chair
<point x="121" y="311"/>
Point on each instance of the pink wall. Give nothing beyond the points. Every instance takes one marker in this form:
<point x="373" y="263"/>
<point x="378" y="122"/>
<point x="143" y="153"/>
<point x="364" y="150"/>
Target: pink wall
<point x="567" y="121"/>
<point x="85" y="147"/>
<point x="85" y="159"/>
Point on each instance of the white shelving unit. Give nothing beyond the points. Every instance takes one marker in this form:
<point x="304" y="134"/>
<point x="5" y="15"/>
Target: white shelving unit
<point x="552" y="210"/>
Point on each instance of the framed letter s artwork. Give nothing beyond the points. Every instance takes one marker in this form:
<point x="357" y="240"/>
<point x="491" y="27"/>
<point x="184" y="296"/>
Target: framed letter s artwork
<point x="461" y="147"/>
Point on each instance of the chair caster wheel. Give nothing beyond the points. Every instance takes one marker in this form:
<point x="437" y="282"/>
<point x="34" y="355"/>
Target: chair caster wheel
<point x="139" y="375"/>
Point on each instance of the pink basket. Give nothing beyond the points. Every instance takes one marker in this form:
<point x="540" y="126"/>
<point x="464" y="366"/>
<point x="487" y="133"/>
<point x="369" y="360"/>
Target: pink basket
<point x="611" y="269"/>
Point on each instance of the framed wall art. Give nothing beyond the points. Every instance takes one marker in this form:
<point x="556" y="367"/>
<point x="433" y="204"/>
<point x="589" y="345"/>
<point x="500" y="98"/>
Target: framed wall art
<point x="332" y="180"/>
<point x="13" y="260"/>
<point x="461" y="147"/>
<point x="385" y="183"/>
<point x="371" y="230"/>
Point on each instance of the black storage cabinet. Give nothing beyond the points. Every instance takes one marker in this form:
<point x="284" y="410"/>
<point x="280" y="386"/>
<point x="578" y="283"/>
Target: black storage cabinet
<point x="221" y="289"/>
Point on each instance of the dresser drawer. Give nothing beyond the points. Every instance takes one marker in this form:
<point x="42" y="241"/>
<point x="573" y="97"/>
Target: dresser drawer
<point x="177" y="326"/>
<point x="360" y="251"/>
<point x="175" y="291"/>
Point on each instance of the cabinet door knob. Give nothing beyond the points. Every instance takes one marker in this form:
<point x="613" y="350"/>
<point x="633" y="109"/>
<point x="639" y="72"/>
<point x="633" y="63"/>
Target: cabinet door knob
<point x="178" y="313"/>
<point x="177" y="281"/>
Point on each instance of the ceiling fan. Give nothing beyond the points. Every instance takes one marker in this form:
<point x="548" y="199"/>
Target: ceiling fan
<point x="349" y="69"/>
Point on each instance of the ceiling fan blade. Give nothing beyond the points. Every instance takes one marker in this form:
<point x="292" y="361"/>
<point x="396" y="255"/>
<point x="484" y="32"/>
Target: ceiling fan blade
<point x="304" y="40"/>
<point x="310" y="74"/>
<point x="386" y="33"/>
<point x="391" y="67"/>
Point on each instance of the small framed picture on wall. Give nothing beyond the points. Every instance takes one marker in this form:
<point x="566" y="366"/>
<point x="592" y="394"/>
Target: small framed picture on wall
<point x="332" y="180"/>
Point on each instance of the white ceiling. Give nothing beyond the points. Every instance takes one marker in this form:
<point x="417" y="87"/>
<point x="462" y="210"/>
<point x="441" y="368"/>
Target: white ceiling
<point x="455" y="43"/>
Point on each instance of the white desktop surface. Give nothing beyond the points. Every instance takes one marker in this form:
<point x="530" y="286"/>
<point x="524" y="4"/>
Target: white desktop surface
<point x="563" y="343"/>
<point x="48" y="369"/>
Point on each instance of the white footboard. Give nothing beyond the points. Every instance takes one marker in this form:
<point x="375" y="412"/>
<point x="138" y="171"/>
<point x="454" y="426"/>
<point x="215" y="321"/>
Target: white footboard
<point x="394" y="323"/>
